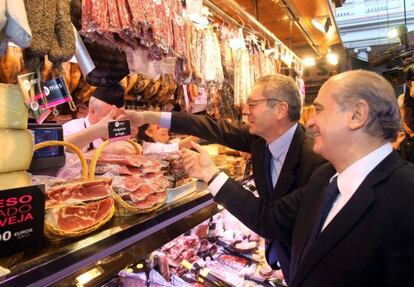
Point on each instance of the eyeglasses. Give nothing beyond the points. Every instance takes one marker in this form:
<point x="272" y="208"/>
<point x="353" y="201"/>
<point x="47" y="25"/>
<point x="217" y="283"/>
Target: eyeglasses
<point x="252" y="103"/>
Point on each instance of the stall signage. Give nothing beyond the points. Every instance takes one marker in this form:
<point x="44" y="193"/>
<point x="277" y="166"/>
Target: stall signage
<point x="119" y="130"/>
<point x="22" y="213"/>
<point x="32" y="90"/>
<point x="56" y="92"/>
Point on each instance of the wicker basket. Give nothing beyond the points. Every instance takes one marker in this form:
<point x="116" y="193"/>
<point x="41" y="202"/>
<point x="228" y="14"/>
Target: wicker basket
<point x="123" y="208"/>
<point x="56" y="234"/>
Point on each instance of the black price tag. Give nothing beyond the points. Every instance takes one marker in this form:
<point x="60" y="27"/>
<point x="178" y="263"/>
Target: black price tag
<point x="56" y="92"/>
<point x="22" y="213"/>
<point x="119" y="130"/>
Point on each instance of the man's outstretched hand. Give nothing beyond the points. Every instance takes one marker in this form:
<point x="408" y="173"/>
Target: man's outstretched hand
<point x="198" y="164"/>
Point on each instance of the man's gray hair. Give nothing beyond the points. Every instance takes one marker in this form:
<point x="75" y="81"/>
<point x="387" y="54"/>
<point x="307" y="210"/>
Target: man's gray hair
<point x="282" y="88"/>
<point x="384" y="119"/>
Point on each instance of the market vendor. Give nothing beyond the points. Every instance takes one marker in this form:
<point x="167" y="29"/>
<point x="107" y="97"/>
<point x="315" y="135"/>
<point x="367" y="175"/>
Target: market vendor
<point x="156" y="139"/>
<point x="405" y="144"/>
<point x="89" y="132"/>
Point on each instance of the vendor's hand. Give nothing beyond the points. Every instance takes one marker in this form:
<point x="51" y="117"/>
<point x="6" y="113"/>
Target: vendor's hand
<point x="198" y="164"/>
<point x="102" y="125"/>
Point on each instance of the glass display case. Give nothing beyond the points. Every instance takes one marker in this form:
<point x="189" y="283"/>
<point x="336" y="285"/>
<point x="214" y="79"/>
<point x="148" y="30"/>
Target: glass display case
<point x="93" y="259"/>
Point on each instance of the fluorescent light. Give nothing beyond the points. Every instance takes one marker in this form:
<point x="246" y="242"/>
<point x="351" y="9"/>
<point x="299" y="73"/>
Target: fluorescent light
<point x="308" y="61"/>
<point x="393" y="33"/>
<point x="84" y="278"/>
<point x="332" y="58"/>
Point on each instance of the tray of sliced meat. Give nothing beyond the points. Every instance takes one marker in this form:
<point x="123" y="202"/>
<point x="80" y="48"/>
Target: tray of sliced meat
<point x="79" y="207"/>
<point x="142" y="190"/>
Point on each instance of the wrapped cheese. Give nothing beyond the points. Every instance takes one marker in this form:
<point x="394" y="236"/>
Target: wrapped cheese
<point x="14" y="180"/>
<point x="13" y="112"/>
<point x="16" y="150"/>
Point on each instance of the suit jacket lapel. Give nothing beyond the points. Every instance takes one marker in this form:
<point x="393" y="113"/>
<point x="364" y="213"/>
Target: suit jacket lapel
<point x="287" y="175"/>
<point x="303" y="230"/>
<point x="348" y="216"/>
<point x="259" y="171"/>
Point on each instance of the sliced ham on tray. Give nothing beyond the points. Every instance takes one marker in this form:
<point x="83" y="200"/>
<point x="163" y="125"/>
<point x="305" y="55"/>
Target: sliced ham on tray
<point x="150" y="201"/>
<point x="78" y="191"/>
<point x="79" y="217"/>
<point x="140" y="185"/>
<point x="141" y="193"/>
<point x="114" y="169"/>
<point x="133" y="161"/>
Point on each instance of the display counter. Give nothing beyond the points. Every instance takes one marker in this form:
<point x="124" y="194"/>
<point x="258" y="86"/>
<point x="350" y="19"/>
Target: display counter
<point x="104" y="252"/>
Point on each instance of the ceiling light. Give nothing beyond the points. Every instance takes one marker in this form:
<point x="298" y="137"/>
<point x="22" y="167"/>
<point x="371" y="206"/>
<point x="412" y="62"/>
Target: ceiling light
<point x="393" y="33"/>
<point x="332" y="58"/>
<point x="308" y="61"/>
<point x="322" y="23"/>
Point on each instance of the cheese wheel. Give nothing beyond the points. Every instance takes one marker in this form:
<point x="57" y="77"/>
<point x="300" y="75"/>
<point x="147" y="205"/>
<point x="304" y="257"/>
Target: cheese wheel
<point x="13" y="112"/>
<point x="14" y="180"/>
<point x="16" y="150"/>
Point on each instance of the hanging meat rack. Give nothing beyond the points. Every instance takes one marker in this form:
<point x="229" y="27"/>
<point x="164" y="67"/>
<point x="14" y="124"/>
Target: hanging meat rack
<point x="240" y="12"/>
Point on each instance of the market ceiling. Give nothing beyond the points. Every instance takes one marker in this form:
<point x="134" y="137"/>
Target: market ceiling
<point x="290" y="21"/>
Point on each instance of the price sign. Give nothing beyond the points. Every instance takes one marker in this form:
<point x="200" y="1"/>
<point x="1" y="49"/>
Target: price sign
<point x="119" y="130"/>
<point x="22" y="213"/>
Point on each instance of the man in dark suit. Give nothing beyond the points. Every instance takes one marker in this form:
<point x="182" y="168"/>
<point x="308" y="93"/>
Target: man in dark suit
<point x="352" y="223"/>
<point x="280" y="147"/>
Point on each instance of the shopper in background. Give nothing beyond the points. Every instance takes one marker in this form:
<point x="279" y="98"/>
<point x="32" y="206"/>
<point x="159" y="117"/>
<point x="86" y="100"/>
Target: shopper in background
<point x="155" y="139"/>
<point x="406" y="146"/>
<point x="88" y="133"/>
<point x="281" y="149"/>
<point x="351" y="225"/>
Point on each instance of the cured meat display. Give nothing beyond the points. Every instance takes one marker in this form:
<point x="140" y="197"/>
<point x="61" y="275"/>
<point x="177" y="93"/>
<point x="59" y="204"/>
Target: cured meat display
<point x="121" y="160"/>
<point x="78" y="217"/>
<point x="77" y="192"/>
<point x="112" y="168"/>
<point x="155" y="25"/>
<point x="139" y="181"/>
<point x="174" y="263"/>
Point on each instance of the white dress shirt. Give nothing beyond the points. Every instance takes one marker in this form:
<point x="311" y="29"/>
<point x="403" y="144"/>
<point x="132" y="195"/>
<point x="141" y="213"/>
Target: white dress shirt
<point x="165" y="120"/>
<point x="278" y="149"/>
<point x="157" y="148"/>
<point x="351" y="178"/>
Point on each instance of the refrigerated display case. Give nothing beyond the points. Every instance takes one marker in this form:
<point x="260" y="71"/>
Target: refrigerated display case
<point x="94" y="259"/>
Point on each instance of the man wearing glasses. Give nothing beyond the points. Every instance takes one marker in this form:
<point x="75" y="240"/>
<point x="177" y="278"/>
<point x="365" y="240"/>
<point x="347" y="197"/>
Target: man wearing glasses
<point x="282" y="156"/>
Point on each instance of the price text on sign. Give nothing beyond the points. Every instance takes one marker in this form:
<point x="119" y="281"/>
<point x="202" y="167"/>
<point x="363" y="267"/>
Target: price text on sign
<point x="119" y="130"/>
<point x="22" y="213"/>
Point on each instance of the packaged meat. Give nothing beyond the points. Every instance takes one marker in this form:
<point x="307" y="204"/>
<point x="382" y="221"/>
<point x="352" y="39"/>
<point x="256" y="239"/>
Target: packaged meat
<point x="233" y="261"/>
<point x="245" y="246"/>
<point x="130" y="279"/>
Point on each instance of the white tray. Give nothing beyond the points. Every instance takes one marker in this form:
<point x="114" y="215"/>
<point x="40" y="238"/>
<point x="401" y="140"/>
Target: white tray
<point x="181" y="191"/>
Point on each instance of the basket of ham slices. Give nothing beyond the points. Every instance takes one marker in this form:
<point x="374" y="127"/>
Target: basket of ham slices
<point x="78" y="207"/>
<point x="138" y="181"/>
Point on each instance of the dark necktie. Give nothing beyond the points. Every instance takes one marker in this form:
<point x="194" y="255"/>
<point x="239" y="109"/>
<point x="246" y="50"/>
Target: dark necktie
<point x="271" y="253"/>
<point x="267" y="170"/>
<point x="331" y="193"/>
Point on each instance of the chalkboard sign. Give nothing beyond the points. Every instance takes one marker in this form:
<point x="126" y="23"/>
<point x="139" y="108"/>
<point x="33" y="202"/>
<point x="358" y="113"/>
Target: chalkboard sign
<point x="22" y="213"/>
